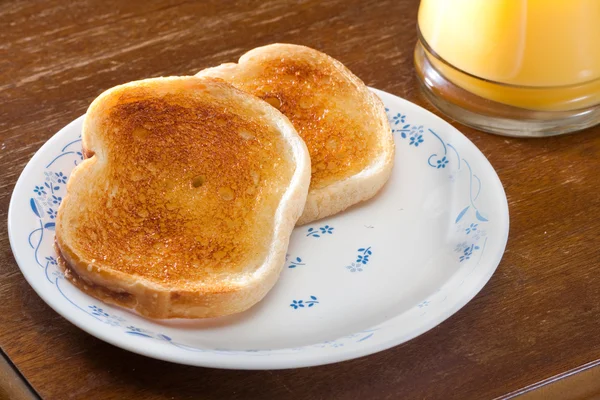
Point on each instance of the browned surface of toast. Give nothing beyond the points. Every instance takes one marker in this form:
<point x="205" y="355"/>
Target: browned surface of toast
<point x="182" y="188"/>
<point x="317" y="94"/>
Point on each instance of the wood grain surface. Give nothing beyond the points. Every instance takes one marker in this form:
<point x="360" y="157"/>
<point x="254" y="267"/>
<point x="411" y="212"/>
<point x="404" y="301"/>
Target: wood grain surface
<point x="12" y="384"/>
<point x="539" y="316"/>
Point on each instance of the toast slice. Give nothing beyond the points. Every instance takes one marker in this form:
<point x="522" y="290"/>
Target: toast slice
<point x="344" y="125"/>
<point x="186" y="200"/>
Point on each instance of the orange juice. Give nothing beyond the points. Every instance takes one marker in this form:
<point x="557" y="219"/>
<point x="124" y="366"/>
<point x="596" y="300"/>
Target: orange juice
<point x="497" y="47"/>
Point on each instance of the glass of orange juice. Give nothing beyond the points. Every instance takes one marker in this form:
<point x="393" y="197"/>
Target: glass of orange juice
<point x="513" y="67"/>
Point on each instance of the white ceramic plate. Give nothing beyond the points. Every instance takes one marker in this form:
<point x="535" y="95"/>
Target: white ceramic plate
<point x="371" y="278"/>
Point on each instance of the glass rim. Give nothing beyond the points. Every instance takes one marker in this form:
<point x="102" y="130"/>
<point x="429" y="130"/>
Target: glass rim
<point x="430" y="50"/>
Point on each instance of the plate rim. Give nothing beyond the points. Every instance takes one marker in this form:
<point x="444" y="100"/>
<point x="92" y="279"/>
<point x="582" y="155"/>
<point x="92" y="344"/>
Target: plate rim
<point x="272" y="361"/>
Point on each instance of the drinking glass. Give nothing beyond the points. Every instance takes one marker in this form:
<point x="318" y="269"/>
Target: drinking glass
<point x="512" y="67"/>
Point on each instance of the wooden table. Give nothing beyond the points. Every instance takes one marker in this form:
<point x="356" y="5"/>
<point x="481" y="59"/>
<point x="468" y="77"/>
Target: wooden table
<point x="538" y="317"/>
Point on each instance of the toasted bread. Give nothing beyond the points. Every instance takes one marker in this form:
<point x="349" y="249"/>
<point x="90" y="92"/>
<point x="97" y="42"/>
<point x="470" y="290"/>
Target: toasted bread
<point x="186" y="201"/>
<point x="344" y="125"/>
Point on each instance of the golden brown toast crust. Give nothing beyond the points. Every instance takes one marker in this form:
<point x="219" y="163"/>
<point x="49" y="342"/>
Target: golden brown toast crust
<point x="123" y="299"/>
<point x="308" y="93"/>
<point x="181" y="192"/>
<point x="343" y="124"/>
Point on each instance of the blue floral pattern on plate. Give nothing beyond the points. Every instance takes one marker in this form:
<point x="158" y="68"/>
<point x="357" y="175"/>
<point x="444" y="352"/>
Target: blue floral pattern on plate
<point x="362" y="259"/>
<point x="297" y="262"/>
<point x="296" y="304"/>
<point x="324" y="230"/>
